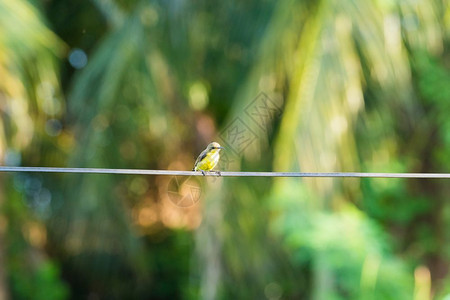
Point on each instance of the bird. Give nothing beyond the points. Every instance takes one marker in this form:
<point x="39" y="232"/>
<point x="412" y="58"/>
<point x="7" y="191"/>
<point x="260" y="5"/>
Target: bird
<point x="208" y="159"/>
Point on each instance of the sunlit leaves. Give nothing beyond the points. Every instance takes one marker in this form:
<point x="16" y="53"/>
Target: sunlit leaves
<point x="29" y="89"/>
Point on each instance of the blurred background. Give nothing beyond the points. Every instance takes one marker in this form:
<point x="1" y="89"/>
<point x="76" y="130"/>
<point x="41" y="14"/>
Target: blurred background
<point x="293" y="85"/>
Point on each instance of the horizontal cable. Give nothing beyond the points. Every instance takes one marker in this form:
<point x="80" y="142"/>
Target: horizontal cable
<point x="225" y="174"/>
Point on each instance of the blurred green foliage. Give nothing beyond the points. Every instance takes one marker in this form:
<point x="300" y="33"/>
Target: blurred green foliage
<point x="317" y="86"/>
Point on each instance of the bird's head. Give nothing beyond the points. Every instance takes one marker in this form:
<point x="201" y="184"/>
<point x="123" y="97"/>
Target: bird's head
<point x="214" y="146"/>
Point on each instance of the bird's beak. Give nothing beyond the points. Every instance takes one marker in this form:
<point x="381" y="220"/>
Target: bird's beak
<point x="220" y="148"/>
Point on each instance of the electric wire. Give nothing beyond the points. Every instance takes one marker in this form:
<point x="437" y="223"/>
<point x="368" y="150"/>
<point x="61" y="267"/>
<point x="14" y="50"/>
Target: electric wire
<point x="223" y="174"/>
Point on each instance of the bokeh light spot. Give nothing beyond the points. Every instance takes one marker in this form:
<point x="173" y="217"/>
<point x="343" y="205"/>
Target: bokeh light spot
<point x="198" y="96"/>
<point x="12" y="158"/>
<point x="78" y="58"/>
<point x="273" y="291"/>
<point x="53" y="127"/>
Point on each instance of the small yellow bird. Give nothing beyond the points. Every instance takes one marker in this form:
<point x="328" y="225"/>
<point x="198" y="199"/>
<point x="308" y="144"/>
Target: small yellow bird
<point x="208" y="159"/>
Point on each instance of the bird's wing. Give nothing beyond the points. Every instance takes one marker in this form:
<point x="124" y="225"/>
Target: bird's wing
<point x="200" y="157"/>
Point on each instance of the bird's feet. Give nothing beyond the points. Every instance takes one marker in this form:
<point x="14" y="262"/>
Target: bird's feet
<point x="203" y="172"/>
<point x="218" y="173"/>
